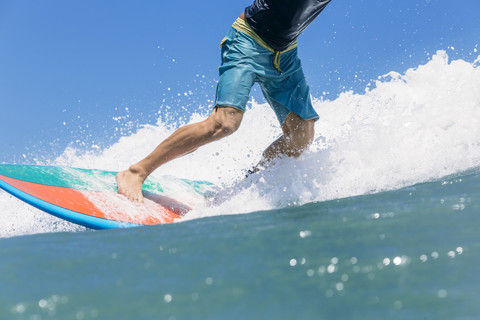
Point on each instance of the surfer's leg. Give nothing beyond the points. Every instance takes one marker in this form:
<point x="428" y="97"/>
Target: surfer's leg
<point x="236" y="77"/>
<point x="222" y="122"/>
<point x="297" y="136"/>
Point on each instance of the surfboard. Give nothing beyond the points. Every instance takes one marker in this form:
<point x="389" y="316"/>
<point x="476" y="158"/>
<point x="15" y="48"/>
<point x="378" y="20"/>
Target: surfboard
<point x="89" y="197"/>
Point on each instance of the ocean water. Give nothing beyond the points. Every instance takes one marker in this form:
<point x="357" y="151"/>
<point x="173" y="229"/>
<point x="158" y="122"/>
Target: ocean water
<point x="378" y="220"/>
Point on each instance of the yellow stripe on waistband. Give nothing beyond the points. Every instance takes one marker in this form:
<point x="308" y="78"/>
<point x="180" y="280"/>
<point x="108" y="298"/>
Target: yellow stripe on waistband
<point x="242" y="25"/>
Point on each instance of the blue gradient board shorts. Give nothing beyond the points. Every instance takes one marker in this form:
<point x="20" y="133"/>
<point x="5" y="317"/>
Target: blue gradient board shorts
<point x="245" y="61"/>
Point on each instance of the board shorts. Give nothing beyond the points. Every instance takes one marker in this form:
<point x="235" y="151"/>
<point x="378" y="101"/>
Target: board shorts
<point x="246" y="60"/>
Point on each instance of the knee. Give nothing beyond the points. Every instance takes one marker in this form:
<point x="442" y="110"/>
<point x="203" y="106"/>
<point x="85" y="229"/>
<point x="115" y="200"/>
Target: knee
<point x="224" y="128"/>
<point x="309" y="133"/>
<point x="302" y="140"/>
<point x="301" y="136"/>
<point x="224" y="121"/>
<point x="302" y="131"/>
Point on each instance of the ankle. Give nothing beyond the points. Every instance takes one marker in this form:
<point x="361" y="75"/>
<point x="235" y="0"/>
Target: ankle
<point x="138" y="171"/>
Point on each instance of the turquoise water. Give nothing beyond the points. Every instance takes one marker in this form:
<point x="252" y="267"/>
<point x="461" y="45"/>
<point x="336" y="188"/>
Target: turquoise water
<point x="411" y="253"/>
<point x="362" y="226"/>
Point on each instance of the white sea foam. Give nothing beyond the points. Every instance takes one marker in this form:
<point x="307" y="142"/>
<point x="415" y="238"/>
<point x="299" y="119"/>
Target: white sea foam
<point x="411" y="127"/>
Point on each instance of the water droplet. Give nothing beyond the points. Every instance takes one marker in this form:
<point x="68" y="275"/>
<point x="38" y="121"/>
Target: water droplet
<point x="42" y="303"/>
<point x="167" y="298"/>
<point x="331" y="268"/>
<point x="19" y="308"/>
<point x="397" y="305"/>
<point x="329" y="293"/>
<point x="321" y="270"/>
<point x="305" y="233"/>
<point x="442" y="293"/>
<point x="397" y="261"/>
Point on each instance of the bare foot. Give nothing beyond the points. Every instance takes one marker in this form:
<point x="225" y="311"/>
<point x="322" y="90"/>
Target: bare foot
<point x="130" y="184"/>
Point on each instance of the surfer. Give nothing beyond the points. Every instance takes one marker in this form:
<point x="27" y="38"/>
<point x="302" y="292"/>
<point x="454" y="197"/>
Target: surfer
<point x="261" y="46"/>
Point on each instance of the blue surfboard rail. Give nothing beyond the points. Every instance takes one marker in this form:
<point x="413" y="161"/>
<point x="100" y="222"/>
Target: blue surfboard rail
<point x="48" y="188"/>
<point x="65" y="214"/>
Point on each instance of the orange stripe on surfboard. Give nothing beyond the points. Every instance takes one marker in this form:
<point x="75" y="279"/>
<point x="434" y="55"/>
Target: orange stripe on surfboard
<point x="78" y="201"/>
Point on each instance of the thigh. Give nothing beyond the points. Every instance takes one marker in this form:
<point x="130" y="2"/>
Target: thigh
<point x="289" y="91"/>
<point x="236" y="73"/>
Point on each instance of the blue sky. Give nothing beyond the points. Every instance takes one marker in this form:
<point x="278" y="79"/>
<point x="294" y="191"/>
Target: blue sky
<point x="73" y="71"/>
